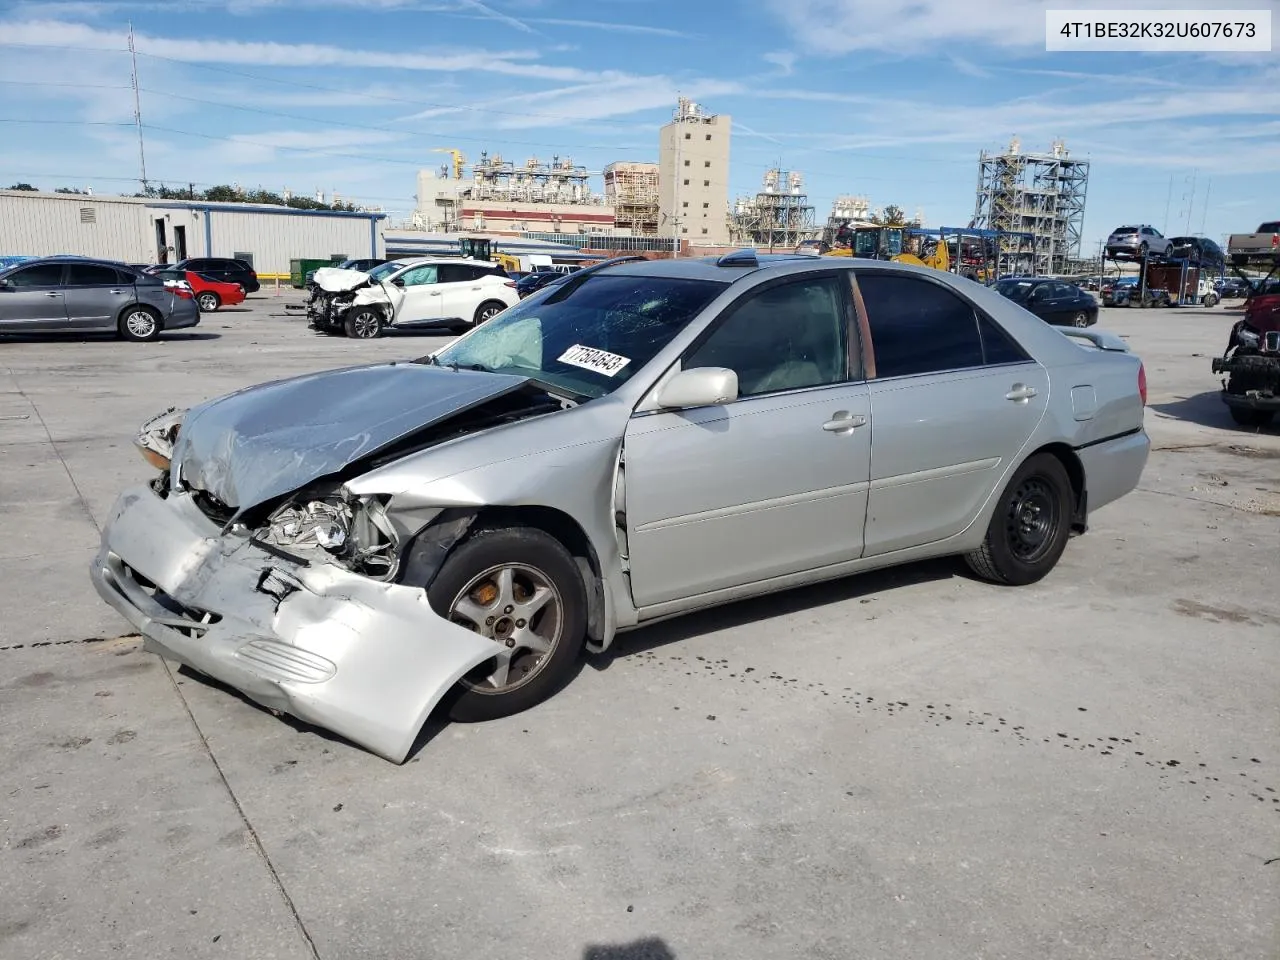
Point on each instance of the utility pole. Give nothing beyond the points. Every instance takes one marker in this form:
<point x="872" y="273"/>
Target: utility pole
<point x="1192" y="202"/>
<point x="1164" y="227"/>
<point x="676" y="216"/>
<point x="137" y="110"/>
<point x="1204" y="216"/>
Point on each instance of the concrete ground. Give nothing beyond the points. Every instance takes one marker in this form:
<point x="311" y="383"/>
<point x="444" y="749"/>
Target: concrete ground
<point x="911" y="764"/>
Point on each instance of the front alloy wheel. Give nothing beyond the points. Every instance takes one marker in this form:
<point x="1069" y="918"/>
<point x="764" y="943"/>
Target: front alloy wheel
<point x="521" y="611"/>
<point x="364" y="324"/>
<point x="520" y="588"/>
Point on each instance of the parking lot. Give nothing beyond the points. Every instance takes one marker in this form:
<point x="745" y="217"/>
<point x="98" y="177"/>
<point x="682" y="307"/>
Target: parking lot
<point x="907" y="764"/>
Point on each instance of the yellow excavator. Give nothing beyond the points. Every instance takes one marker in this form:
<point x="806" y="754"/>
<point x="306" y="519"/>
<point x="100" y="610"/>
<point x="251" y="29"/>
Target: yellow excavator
<point x="878" y="243"/>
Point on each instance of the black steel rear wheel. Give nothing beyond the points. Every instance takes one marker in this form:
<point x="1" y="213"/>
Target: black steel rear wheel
<point x="1029" y="529"/>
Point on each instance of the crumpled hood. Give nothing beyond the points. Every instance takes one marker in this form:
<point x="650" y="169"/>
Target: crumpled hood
<point x="263" y="442"/>
<point x="338" y="280"/>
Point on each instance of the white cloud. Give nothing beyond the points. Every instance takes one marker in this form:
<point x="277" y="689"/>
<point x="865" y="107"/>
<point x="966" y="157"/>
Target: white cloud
<point x="784" y="60"/>
<point x="1221" y="129"/>
<point x="610" y="27"/>
<point x="516" y="63"/>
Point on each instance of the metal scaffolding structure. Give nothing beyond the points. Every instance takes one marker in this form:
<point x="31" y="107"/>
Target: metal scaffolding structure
<point x="1041" y="194"/>
<point x="780" y="215"/>
<point x="534" y="181"/>
<point x="632" y="190"/>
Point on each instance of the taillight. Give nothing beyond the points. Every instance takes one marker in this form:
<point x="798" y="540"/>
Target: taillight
<point x="185" y="293"/>
<point x="1142" y="383"/>
<point x="1275" y="239"/>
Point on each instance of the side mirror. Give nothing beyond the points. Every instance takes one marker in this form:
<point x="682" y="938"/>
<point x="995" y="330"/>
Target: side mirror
<point x="398" y="282"/>
<point x="699" y="387"/>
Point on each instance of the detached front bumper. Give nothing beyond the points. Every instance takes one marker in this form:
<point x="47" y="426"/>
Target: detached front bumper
<point x="365" y="659"/>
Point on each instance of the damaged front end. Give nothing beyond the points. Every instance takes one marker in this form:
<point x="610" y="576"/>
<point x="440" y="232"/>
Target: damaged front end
<point x="333" y="292"/>
<point x="250" y="560"/>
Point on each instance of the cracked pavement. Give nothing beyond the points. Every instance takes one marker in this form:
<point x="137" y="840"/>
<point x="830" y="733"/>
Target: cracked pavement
<point x="904" y="764"/>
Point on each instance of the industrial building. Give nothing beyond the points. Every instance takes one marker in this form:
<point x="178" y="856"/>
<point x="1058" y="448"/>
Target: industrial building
<point x="779" y="216"/>
<point x="505" y="197"/>
<point x="1041" y="194"/>
<point x="141" y="230"/>
<point x="632" y="190"/>
<point x="693" y="175"/>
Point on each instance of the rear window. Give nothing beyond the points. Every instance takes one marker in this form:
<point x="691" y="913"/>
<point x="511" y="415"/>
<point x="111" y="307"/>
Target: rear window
<point x="1272" y="226"/>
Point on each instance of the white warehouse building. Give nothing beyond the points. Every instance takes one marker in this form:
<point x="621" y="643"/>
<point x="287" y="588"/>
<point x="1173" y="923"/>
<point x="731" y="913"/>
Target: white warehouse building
<point x="139" y="230"/>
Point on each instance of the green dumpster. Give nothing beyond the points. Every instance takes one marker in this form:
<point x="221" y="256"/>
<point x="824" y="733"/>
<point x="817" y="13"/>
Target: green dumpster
<point x="298" y="270"/>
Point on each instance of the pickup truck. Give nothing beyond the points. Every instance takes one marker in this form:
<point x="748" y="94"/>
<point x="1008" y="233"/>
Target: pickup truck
<point x="1262" y="245"/>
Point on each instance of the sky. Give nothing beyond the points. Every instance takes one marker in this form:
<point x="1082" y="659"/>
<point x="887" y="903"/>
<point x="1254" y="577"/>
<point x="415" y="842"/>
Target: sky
<point x="891" y="99"/>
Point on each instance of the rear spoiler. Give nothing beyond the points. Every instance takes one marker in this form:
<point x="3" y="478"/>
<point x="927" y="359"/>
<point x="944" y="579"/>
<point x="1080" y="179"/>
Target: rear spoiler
<point x="1099" y="338"/>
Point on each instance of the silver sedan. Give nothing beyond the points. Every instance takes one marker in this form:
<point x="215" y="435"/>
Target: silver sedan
<point x="644" y="439"/>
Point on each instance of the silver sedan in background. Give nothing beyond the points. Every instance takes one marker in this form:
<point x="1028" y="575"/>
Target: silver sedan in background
<point x="644" y="439"/>
<point x="79" y="295"/>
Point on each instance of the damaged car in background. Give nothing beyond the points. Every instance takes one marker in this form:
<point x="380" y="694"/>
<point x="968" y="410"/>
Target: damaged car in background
<point x="425" y="293"/>
<point x="358" y="546"/>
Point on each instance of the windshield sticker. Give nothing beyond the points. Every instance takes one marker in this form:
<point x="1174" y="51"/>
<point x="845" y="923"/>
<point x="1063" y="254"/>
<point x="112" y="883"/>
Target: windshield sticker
<point x="598" y="361"/>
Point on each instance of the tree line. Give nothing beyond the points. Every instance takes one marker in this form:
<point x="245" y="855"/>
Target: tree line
<point x="223" y="193"/>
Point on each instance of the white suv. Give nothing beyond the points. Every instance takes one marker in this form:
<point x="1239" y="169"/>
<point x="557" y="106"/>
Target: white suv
<point x="430" y="292"/>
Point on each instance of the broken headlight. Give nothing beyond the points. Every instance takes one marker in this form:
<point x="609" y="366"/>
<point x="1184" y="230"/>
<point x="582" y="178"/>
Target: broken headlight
<point x="157" y="436"/>
<point x="355" y="532"/>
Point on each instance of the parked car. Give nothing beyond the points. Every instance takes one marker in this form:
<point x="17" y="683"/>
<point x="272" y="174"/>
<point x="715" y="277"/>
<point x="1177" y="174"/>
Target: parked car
<point x="224" y="269"/>
<point x="76" y="294"/>
<point x="1051" y="300"/>
<point x="1232" y="288"/>
<point x="1137" y="242"/>
<point x="533" y="282"/>
<point x="424" y="293"/>
<point x="1201" y="251"/>
<point x="1115" y="293"/>
<point x="364" y="265"/>
<point x="210" y="294"/>
<point x="646" y="439"/>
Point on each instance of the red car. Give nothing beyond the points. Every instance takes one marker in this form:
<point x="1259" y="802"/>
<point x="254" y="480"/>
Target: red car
<point x="210" y="294"/>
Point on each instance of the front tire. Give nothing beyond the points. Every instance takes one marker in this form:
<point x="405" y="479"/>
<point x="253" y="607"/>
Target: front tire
<point x="519" y="587"/>
<point x="363" y="323"/>
<point x="1030" y="526"/>
<point x="208" y="301"/>
<point x="139" y="324"/>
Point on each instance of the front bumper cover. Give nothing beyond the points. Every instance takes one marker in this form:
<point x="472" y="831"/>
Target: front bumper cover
<point x="366" y="659"/>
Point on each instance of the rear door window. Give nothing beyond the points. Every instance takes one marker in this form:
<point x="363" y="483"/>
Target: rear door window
<point x="92" y="275"/>
<point x="918" y="326"/>
<point x="457" y="272"/>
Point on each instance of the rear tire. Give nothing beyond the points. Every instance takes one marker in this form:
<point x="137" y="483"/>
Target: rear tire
<point x="209" y="301"/>
<point x="470" y="580"/>
<point x="1030" y="526"/>
<point x="139" y="324"/>
<point x="363" y="323"/>
<point x="487" y="311"/>
<point x="1251" y="418"/>
<point x="1081" y="319"/>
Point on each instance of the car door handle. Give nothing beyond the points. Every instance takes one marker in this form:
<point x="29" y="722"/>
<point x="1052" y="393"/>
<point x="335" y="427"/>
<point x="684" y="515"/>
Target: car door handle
<point x="1020" y="393"/>
<point x="843" y="421"/>
<point x="54" y="293"/>
<point x="115" y="291"/>
<point x="435" y="293"/>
